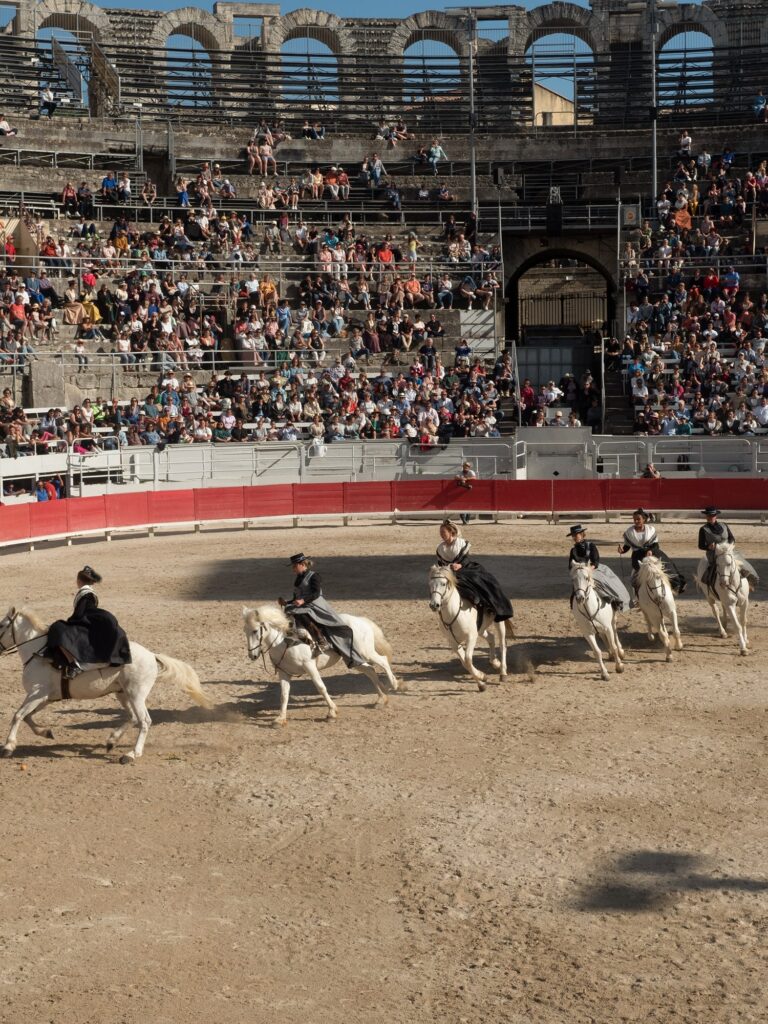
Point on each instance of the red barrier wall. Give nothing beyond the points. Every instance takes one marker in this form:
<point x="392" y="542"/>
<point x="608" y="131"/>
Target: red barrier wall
<point x="79" y="515"/>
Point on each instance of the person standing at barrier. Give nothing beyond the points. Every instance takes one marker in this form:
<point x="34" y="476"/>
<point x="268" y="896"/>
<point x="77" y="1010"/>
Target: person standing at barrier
<point x="607" y="583"/>
<point x="641" y="540"/>
<point x="713" y="533"/>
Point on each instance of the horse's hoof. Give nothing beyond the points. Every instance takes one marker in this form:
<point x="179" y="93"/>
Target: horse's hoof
<point x="481" y="685"/>
<point x="495" y="663"/>
<point x="619" y="669"/>
<point x="7" y="751"/>
<point x="669" y="656"/>
<point x="49" y="734"/>
<point x="110" y="746"/>
<point x="278" y="722"/>
<point x="743" y="653"/>
<point x="128" y="759"/>
<point x="503" y="677"/>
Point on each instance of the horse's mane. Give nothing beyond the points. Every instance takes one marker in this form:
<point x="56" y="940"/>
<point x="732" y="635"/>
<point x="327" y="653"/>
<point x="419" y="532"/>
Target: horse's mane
<point x="445" y="571"/>
<point x="655" y="567"/>
<point x="269" y="613"/>
<point x="725" y="547"/>
<point x="34" y="619"/>
<point x="575" y="566"/>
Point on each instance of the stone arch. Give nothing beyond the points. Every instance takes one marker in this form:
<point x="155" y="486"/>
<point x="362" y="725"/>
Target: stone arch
<point x="559" y="252"/>
<point x="434" y="25"/>
<point x="74" y="16"/>
<point x="306" y="23"/>
<point x="200" y="25"/>
<point x="563" y="17"/>
<point x="688" y="18"/>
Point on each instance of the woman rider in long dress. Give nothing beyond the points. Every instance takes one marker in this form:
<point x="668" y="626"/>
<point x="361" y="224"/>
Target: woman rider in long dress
<point x="473" y="581"/>
<point x="640" y="538"/>
<point x="312" y="613"/>
<point x="90" y="636"/>
<point x="607" y="583"/>
<point x="712" y="533"/>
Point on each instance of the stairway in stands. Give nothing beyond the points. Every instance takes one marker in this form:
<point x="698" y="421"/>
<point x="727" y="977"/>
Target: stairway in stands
<point x="618" y="411"/>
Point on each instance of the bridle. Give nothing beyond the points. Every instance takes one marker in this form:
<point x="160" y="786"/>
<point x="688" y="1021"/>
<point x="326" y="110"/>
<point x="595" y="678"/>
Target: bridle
<point x="17" y="644"/>
<point x="586" y="591"/>
<point x="258" y="649"/>
<point x="724" y="578"/>
<point x="442" y="591"/>
<point x="655" y="592"/>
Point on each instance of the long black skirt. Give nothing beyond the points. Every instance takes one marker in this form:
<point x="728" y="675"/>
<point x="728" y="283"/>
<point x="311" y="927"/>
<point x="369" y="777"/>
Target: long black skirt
<point x="94" y="639"/>
<point x="482" y="588"/>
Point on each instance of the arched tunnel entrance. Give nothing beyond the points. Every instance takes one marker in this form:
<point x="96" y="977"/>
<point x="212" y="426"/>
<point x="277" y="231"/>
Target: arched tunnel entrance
<point x="563" y="291"/>
<point x="561" y="301"/>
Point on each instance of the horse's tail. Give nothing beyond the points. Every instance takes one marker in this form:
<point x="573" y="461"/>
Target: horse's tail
<point x="380" y="643"/>
<point x="183" y="675"/>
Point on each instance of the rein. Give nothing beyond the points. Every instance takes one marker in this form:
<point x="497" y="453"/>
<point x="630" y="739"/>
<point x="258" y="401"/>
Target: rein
<point x="586" y="591"/>
<point x="723" y="577"/>
<point x="448" y="625"/>
<point x="260" y="649"/>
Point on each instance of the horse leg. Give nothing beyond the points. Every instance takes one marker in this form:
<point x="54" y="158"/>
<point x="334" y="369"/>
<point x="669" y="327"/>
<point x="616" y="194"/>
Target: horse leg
<point x="615" y="629"/>
<point x="129" y="718"/>
<point x="31" y="703"/>
<point x="714" y="605"/>
<point x="613" y="649"/>
<point x="675" y="626"/>
<point x="141" y="714"/>
<point x="317" y="679"/>
<point x="381" y="662"/>
<point x="592" y="641"/>
<point x="285" y="692"/>
<point x="733" y="612"/>
<point x="501" y="628"/>
<point x="38" y="730"/>
<point x="373" y="675"/>
<point x="469" y="651"/>
<point x="664" y="637"/>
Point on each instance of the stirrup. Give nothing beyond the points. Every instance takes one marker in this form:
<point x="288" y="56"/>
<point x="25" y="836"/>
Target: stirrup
<point x="72" y="670"/>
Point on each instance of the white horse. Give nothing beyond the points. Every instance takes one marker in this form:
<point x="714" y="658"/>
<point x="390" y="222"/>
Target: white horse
<point x="595" y="616"/>
<point x="459" y="619"/>
<point x="657" y="603"/>
<point x="266" y="628"/>
<point x="731" y="592"/>
<point x="23" y="632"/>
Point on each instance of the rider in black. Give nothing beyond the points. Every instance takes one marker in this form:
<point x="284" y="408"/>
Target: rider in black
<point x="606" y="582"/>
<point x="91" y="635"/>
<point x="712" y="533"/>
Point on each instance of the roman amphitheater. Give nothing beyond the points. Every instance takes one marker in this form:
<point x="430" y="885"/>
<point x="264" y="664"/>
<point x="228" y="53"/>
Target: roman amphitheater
<point x="291" y="282"/>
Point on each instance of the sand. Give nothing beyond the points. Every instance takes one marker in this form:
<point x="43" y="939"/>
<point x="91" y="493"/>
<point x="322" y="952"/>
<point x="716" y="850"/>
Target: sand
<point x="556" y="849"/>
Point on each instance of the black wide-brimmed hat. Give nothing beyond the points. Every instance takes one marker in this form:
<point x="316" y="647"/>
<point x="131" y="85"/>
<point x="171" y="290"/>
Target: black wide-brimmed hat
<point x="642" y="512"/>
<point x="87" y="573"/>
<point x="297" y="559"/>
<point x="710" y="510"/>
<point x="578" y="528"/>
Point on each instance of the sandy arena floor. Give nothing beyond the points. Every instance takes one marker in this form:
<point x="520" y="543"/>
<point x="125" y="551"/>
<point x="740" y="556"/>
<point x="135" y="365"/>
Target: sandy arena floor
<point x="557" y="849"/>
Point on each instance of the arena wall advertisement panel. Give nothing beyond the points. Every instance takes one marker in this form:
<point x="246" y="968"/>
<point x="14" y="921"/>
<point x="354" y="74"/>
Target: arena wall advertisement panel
<point x="172" y="506"/>
<point x="127" y="509"/>
<point x="73" y="516"/>
<point x="219" y="503"/>
<point x="271" y="500"/>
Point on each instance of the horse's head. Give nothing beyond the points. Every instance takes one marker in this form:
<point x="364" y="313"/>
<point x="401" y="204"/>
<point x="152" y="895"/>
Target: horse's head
<point x="723" y="551"/>
<point x="581" y="578"/>
<point x="260" y="620"/>
<point x="441" y="582"/>
<point x="6" y="629"/>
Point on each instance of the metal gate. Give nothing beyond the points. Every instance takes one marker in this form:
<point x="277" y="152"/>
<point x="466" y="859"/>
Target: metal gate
<point x="587" y="309"/>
